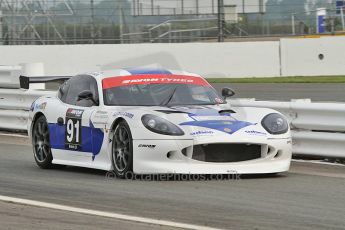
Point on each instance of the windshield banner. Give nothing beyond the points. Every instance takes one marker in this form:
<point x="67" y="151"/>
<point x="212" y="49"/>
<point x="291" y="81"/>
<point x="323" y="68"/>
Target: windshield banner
<point x="152" y="79"/>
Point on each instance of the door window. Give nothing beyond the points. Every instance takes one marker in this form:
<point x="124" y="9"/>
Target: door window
<point x="76" y="85"/>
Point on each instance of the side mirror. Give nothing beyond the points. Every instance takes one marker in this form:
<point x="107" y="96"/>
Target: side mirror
<point x="86" y="95"/>
<point x="227" y="92"/>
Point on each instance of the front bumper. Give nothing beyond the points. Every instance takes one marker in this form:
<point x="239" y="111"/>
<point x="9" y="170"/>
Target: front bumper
<point x="166" y="157"/>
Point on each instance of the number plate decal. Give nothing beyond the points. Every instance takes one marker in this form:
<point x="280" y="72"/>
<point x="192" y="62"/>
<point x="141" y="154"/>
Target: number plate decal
<point x="73" y="129"/>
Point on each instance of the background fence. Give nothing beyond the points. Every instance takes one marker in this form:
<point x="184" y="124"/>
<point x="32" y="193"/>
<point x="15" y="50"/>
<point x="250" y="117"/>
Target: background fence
<point x="24" y="22"/>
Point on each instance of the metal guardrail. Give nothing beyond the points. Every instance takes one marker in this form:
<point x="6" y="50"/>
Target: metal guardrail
<point x="318" y="129"/>
<point x="18" y="99"/>
<point x="15" y="103"/>
<point x="14" y="120"/>
<point x="325" y="144"/>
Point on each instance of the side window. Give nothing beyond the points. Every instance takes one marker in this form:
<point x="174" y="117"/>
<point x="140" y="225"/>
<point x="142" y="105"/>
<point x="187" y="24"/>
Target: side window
<point x="63" y="91"/>
<point x="79" y="84"/>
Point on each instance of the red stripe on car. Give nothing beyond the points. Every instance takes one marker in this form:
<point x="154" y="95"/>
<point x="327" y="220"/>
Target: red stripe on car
<point x="152" y="79"/>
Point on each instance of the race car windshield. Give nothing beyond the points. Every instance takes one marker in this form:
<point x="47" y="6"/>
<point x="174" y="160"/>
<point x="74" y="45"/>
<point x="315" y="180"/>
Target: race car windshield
<point x="160" y="93"/>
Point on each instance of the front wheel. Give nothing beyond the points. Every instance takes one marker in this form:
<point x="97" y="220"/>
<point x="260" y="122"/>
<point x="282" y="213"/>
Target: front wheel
<point x="41" y="143"/>
<point x="122" y="150"/>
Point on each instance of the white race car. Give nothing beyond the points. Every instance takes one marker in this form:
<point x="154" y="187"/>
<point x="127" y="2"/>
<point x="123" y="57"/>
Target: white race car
<point x="154" y="121"/>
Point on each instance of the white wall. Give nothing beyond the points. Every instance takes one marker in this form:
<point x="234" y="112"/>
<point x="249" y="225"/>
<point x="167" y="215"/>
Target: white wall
<point x="231" y="59"/>
<point x="300" y="57"/>
<point x="289" y="57"/>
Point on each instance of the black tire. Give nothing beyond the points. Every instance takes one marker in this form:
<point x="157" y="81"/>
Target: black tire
<point x="122" y="150"/>
<point x="41" y="143"/>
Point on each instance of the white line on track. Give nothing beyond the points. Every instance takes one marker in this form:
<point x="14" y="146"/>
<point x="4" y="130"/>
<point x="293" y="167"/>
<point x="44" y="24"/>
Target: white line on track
<point x="104" y="214"/>
<point x="14" y="135"/>
<point x="318" y="162"/>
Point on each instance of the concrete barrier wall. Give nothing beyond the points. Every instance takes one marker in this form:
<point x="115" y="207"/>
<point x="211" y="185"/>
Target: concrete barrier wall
<point x="289" y="57"/>
<point x="245" y="59"/>
<point x="303" y="57"/>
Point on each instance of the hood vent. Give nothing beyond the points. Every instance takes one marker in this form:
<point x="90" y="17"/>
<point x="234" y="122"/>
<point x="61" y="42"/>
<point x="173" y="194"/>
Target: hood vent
<point x="226" y="112"/>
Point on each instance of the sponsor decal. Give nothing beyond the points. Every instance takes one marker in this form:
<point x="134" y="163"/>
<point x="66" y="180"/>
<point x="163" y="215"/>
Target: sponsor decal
<point x="124" y="114"/>
<point x="202" y="133"/>
<point x="152" y="79"/>
<point x="158" y="80"/>
<point x="227" y="130"/>
<point x="219" y="122"/>
<point x="100" y="118"/>
<point x="218" y="100"/>
<point x="146" y="146"/>
<point x="41" y="106"/>
<point x="73" y="132"/>
<point x="256" y="133"/>
<point x="74" y="113"/>
<point x="100" y="115"/>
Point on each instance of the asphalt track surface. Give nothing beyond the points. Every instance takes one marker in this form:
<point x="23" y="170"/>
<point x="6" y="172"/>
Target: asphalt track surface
<point x="310" y="196"/>
<point x="286" y="92"/>
<point x="16" y="216"/>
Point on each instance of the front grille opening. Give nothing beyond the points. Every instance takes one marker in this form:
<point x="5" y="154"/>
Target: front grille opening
<point x="226" y="152"/>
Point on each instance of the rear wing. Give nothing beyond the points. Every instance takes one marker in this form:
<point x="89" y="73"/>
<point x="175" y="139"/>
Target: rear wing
<point x="26" y="81"/>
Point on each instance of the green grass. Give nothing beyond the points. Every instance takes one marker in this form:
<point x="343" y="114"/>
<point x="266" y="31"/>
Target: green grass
<point x="314" y="79"/>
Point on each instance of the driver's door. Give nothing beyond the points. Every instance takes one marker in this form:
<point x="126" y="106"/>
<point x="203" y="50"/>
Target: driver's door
<point x="72" y="138"/>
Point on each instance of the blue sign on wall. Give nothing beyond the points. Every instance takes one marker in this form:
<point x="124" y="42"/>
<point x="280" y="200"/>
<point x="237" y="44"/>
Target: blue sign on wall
<point x="340" y="4"/>
<point x="321" y="20"/>
<point x="321" y="24"/>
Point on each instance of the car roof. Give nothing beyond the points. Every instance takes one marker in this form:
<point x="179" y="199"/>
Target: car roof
<point x="139" y="71"/>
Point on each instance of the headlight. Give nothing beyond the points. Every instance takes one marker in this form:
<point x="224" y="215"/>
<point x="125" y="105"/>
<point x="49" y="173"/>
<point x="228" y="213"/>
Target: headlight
<point x="160" y="125"/>
<point x="275" y="123"/>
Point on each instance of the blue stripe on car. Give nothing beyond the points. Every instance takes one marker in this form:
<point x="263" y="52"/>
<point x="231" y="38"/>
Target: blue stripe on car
<point x="229" y="127"/>
<point x="136" y="71"/>
<point x="92" y="138"/>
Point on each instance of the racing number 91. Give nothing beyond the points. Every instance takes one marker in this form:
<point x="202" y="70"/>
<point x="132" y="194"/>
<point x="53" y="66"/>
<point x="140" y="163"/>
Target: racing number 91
<point x="73" y="128"/>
